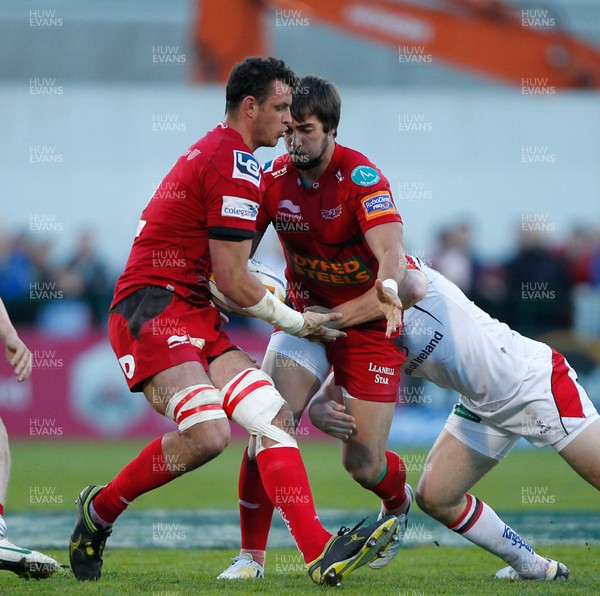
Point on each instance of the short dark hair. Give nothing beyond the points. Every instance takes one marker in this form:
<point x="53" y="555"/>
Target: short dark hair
<point x="317" y="97"/>
<point x="253" y="76"/>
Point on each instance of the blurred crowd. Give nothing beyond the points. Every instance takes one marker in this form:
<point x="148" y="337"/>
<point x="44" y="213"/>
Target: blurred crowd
<point x="61" y="296"/>
<point x="533" y="290"/>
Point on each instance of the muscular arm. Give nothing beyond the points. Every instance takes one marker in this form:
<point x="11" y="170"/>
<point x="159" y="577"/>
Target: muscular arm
<point x="368" y="307"/>
<point x="230" y="269"/>
<point x="387" y="244"/>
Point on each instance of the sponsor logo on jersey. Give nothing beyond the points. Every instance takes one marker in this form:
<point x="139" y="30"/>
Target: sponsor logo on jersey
<point x="337" y="273"/>
<point x="289" y="205"/>
<point x="289" y="218"/>
<point x="383" y="373"/>
<point x="378" y="204"/>
<point x="280" y="171"/>
<point x="245" y="167"/>
<point x="178" y="340"/>
<point x="365" y="176"/>
<point x="239" y="207"/>
<point x="331" y="213"/>
<point x="423" y="354"/>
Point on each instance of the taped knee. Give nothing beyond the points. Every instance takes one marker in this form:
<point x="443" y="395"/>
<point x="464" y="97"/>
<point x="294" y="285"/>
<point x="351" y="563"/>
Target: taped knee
<point x="251" y="400"/>
<point x="195" y="404"/>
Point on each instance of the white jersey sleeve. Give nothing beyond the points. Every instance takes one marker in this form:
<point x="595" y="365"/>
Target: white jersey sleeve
<point x="453" y="343"/>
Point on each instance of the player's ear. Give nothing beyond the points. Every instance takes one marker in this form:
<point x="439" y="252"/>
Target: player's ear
<point x="249" y="106"/>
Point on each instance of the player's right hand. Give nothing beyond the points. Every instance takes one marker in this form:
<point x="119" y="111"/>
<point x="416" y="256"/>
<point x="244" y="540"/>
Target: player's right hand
<point x="315" y="329"/>
<point x="391" y="306"/>
<point x="330" y="417"/>
<point x="19" y="357"/>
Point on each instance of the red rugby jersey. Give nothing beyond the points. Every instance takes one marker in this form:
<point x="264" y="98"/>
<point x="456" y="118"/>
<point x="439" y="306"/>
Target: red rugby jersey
<point x="212" y="191"/>
<point x="322" y="228"/>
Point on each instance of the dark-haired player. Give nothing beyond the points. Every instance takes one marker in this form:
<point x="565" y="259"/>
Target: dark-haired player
<point x="168" y="338"/>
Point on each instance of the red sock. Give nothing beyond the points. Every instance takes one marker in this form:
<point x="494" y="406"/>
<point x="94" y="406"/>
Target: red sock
<point x="390" y="489"/>
<point x="285" y="481"/>
<point x="1" y="509"/>
<point x="256" y="509"/>
<point x="147" y="471"/>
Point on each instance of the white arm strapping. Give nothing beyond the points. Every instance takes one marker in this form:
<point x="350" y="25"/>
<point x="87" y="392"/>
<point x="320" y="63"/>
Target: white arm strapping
<point x="274" y="311"/>
<point x="390" y="283"/>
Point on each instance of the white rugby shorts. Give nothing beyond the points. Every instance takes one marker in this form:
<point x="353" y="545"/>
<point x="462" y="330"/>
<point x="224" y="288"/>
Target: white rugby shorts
<point x="550" y="409"/>
<point x="308" y="354"/>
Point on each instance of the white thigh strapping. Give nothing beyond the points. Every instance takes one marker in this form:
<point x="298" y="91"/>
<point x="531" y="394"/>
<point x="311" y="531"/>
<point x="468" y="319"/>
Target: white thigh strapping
<point x="251" y="400"/>
<point x="195" y="404"/>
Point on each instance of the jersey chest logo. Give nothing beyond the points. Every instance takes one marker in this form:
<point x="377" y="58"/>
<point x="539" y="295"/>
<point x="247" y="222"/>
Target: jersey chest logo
<point x="331" y="213"/>
<point x="245" y="167"/>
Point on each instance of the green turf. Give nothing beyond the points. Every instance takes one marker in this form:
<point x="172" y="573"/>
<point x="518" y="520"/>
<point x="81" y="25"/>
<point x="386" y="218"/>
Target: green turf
<point x="62" y="468"/>
<point x="416" y="572"/>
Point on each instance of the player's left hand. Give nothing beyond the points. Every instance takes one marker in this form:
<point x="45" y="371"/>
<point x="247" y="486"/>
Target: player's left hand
<point x="315" y="326"/>
<point x="18" y="356"/>
<point x="391" y="306"/>
<point x="330" y="417"/>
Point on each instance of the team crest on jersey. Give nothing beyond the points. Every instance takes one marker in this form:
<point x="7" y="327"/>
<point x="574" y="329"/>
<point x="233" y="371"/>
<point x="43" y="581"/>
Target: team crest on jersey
<point x="331" y="213"/>
<point x="365" y="176"/>
<point x="377" y="204"/>
<point x="246" y="167"/>
<point x="239" y="207"/>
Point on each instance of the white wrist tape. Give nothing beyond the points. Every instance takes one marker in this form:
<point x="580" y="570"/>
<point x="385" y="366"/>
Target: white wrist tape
<point x="390" y="283"/>
<point x="273" y="311"/>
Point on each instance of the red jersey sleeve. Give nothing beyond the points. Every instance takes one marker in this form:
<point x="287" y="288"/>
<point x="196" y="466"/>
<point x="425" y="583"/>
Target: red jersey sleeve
<point x="372" y="197"/>
<point x="233" y="194"/>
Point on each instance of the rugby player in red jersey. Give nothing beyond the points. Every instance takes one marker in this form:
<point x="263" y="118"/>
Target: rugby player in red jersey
<point x="334" y="214"/>
<point x="169" y="343"/>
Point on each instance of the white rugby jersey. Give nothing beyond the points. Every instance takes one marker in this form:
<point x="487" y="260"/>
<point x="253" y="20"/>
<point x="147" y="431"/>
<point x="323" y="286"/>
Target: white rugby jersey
<point x="453" y="343"/>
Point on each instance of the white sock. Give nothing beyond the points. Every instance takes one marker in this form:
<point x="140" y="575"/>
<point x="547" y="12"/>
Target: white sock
<point x="480" y="524"/>
<point x="2" y="527"/>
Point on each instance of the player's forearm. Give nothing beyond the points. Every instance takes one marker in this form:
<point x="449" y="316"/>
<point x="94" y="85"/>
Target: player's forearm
<point x="367" y="307"/>
<point x="392" y="265"/>
<point x="363" y="309"/>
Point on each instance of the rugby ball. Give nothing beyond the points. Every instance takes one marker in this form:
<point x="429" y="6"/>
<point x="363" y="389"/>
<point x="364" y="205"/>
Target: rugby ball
<point x="265" y="275"/>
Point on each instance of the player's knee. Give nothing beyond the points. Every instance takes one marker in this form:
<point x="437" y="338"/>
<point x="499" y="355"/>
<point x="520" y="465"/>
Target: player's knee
<point x="436" y="504"/>
<point x="251" y="400"/>
<point x="424" y="502"/>
<point x="204" y="442"/>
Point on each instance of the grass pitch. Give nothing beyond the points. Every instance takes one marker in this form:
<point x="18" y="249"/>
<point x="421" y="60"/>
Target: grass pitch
<point x="415" y="572"/>
<point x="62" y="468"/>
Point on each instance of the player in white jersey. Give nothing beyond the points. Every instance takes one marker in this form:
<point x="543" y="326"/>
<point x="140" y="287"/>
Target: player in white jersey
<point x="511" y="387"/>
